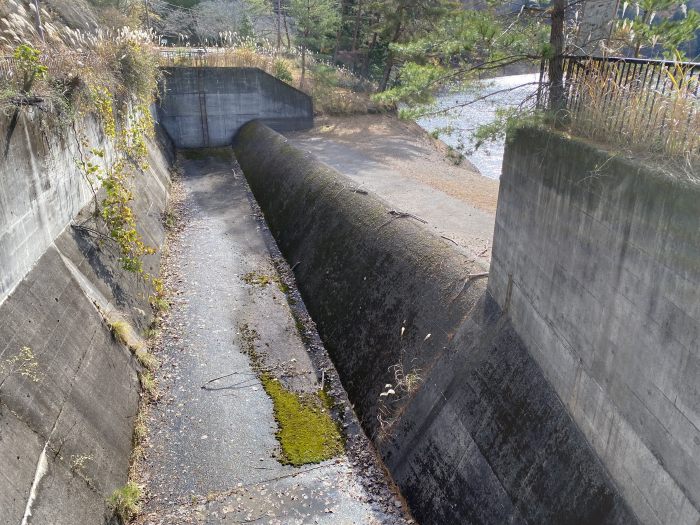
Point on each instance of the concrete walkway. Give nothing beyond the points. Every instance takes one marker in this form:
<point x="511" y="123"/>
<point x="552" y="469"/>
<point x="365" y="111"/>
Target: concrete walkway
<point x="396" y="160"/>
<point x="211" y="455"/>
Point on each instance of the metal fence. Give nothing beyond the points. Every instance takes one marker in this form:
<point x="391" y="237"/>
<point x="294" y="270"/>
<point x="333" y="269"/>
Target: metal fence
<point x="652" y="104"/>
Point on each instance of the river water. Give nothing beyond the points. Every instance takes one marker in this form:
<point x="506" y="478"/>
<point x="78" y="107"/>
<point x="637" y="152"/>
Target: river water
<point x="464" y="120"/>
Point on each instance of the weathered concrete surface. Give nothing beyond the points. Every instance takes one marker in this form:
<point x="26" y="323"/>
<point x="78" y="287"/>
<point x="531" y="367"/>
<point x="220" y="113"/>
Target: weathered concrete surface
<point x="485" y="439"/>
<point x="212" y="454"/>
<point x="402" y="164"/>
<point x="65" y="431"/>
<point x="41" y="190"/>
<point x="604" y="256"/>
<point x="204" y="106"/>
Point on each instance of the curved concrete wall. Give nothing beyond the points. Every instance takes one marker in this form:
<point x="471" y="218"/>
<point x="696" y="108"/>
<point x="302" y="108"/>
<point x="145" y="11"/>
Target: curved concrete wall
<point x="203" y="107"/>
<point x="485" y="439"/>
<point x="604" y="256"/>
<point x="66" y="430"/>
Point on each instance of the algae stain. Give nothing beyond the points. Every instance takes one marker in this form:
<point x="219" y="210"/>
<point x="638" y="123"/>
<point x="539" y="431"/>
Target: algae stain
<point x="306" y="431"/>
<point x="262" y="279"/>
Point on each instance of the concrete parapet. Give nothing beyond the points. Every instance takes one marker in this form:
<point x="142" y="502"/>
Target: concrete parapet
<point x="597" y="259"/>
<point x="484" y="439"/>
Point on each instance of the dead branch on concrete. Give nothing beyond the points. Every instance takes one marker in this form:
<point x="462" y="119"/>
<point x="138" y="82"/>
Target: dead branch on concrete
<point x="401" y="215"/>
<point x="227" y="375"/>
<point x="92" y="231"/>
<point x="470" y="277"/>
<point x="447" y="238"/>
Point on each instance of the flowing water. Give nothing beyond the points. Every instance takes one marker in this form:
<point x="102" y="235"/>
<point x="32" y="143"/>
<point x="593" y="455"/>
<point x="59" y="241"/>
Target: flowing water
<point x="503" y="92"/>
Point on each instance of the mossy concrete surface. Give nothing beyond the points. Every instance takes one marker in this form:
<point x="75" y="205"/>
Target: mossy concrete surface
<point x="307" y="433"/>
<point x="484" y="439"/>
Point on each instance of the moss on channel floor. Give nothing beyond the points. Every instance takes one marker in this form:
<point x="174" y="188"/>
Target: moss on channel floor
<point x="306" y="431"/>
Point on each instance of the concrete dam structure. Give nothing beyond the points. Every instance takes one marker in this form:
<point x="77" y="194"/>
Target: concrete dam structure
<point x="204" y="107"/>
<point x="561" y="389"/>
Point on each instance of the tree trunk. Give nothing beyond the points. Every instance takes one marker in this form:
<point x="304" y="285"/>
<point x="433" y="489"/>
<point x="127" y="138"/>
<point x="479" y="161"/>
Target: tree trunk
<point x="356" y="31"/>
<point x="390" y="58"/>
<point x="303" y="68"/>
<point x="279" y="24"/>
<point x="286" y="31"/>
<point x="37" y="20"/>
<point x="638" y="45"/>
<point x="557" y="104"/>
<point x="387" y="72"/>
<point x="339" y="32"/>
<point x="371" y="47"/>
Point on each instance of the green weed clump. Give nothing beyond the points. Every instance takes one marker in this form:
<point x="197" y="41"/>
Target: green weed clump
<point x="121" y="331"/>
<point x="307" y="433"/>
<point x="259" y="279"/>
<point x="125" y="502"/>
<point x="148" y="384"/>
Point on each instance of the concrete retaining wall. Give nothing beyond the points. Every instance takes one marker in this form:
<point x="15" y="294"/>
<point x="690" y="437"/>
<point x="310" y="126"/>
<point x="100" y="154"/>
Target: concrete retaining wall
<point x="202" y="107"/>
<point x="41" y="190"/>
<point x="66" y="428"/>
<point x="604" y="257"/>
<point x="485" y="439"/>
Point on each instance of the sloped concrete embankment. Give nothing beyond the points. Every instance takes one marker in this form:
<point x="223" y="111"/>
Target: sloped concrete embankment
<point x="484" y="439"/>
<point x="603" y="256"/>
<point x="68" y="400"/>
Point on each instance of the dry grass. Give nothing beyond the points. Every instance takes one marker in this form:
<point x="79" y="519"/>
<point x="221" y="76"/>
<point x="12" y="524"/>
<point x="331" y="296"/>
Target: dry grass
<point x="335" y="90"/>
<point x="122" y="62"/>
<point x="655" y="114"/>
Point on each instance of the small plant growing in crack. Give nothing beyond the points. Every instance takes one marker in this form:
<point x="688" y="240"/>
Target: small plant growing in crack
<point x="120" y="330"/>
<point x="125" y="502"/>
<point x="148" y="384"/>
<point x="158" y="300"/>
<point x="406" y="380"/>
<point x="258" y="279"/>
<point x="78" y="465"/>
<point x="23" y="363"/>
<point x="126" y="335"/>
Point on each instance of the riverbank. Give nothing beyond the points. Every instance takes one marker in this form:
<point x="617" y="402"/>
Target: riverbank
<point x="405" y="166"/>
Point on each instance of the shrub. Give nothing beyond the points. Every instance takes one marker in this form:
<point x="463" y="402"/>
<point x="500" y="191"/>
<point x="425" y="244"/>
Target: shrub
<point x="282" y="72"/>
<point x="125" y="502"/>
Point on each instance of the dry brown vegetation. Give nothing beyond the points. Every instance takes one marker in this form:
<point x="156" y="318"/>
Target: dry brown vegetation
<point x="335" y="90"/>
<point x="655" y="113"/>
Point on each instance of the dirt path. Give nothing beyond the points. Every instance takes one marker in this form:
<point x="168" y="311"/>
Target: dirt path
<point x="406" y="167"/>
<point x="212" y="455"/>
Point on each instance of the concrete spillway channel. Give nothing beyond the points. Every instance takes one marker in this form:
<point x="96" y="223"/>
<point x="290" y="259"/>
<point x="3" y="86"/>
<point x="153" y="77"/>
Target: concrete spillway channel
<point x="478" y="397"/>
<point x="237" y="324"/>
<point x="463" y="418"/>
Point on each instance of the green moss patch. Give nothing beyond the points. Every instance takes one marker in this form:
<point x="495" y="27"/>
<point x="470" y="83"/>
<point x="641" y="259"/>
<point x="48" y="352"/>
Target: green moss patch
<point x="259" y="279"/>
<point x="306" y="431"/>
